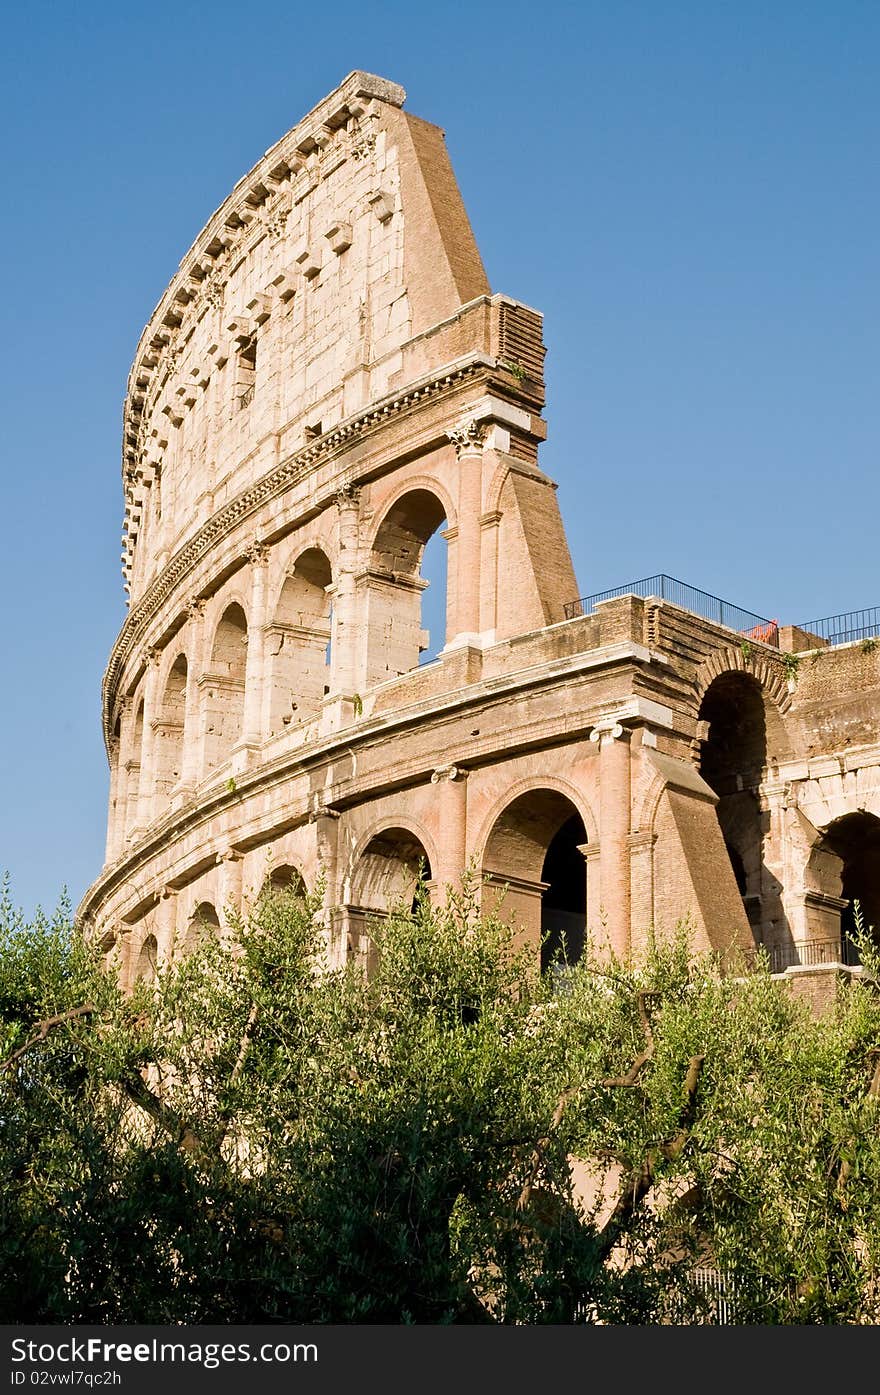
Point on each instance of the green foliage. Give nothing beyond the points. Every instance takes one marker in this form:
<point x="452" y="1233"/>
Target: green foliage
<point x="514" y="367"/>
<point x="791" y="663"/>
<point x="745" y="649"/>
<point x="259" y="1137"/>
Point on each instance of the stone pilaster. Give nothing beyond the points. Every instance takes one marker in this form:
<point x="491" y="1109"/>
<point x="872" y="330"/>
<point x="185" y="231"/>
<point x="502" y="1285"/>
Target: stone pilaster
<point x="230" y="864"/>
<point x="326" y="821"/>
<point x="451" y="783"/>
<point x="147" y="783"/>
<point x="345" y="658"/>
<point x="592" y="857"/>
<point x="190" y="773"/>
<point x="641" y="852"/>
<point x="166" y="923"/>
<point x="252" y="726"/>
<point x="116" y="784"/>
<point x="490" y="533"/>
<point x="123" y="814"/>
<point x="468" y="439"/>
<point x="614" y="830"/>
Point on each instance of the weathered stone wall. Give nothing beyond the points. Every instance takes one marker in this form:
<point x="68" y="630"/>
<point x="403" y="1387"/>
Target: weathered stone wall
<point x="326" y="383"/>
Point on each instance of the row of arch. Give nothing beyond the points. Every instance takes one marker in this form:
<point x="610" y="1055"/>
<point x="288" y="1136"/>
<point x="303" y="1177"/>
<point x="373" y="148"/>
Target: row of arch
<point x="533" y="866"/>
<point x="204" y="922"/>
<point x="745" y="735"/>
<point x="536" y="845"/>
<point x="210" y="693"/>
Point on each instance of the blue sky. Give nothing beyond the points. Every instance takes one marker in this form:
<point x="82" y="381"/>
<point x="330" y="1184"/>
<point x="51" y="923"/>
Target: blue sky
<point x="686" y="188"/>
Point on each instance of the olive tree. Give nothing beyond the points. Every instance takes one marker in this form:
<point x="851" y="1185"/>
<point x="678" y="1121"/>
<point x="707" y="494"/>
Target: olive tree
<point x="255" y="1136"/>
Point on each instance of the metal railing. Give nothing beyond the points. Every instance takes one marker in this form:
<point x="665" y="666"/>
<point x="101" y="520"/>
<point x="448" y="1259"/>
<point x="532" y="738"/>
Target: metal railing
<point x="668" y="588"/>
<point x="843" y="629"/>
<point x="812" y="954"/>
<point x="718" y="1290"/>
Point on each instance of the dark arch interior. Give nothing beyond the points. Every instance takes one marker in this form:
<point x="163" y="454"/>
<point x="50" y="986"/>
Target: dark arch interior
<point x="147" y="958"/>
<point x="230" y="641"/>
<point x="732" y="761"/>
<point x="855" y="839"/>
<point x="388" y="869"/>
<point x="537" y="839"/>
<point x="735" y="752"/>
<point x="203" y="924"/>
<point x="739" y="868"/>
<point x="564" y="903"/>
<point x="406" y="529"/>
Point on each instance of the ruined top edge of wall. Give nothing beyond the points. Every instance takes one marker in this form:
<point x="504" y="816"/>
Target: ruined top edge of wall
<point x="361" y="84"/>
<point x="357" y="87"/>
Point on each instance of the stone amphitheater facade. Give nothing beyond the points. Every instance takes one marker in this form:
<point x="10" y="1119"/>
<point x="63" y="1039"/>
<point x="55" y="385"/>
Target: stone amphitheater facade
<point x="327" y="382"/>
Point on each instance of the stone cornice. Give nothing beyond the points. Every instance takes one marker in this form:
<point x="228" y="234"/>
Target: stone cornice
<point x="433" y="711"/>
<point x="442" y="382"/>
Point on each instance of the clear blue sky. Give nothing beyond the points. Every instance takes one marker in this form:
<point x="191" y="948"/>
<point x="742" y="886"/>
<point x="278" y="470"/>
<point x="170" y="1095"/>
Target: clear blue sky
<point x="687" y="188"/>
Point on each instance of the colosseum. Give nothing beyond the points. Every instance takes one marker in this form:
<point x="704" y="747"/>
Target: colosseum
<point x="327" y="383"/>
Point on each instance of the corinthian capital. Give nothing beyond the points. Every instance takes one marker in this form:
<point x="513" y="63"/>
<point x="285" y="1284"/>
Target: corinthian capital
<point x="258" y="553"/>
<point x="468" y="437"/>
<point x="348" y="496"/>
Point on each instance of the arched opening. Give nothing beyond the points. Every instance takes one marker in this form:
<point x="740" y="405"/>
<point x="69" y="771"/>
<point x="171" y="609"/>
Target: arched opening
<point x="148" y="959"/>
<point x="299" y="643"/>
<point x="203" y="925"/>
<point x="434" y="570"/>
<point x="170" y="729"/>
<point x="408" y="560"/>
<point x="224" y="686"/>
<point x="285" y="878"/>
<point x="534" y="860"/>
<point x="732" y="762"/>
<point x="735" y="752"/>
<point x="848" y="860"/>
<point x="386" y="875"/>
<point x="564" y="903"/>
<point x="388" y="869"/>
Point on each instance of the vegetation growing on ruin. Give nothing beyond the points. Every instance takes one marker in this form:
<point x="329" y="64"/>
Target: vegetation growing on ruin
<point x="255" y="1137"/>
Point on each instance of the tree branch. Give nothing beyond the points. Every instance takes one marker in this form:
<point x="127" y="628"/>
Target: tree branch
<point x="872" y="1093"/>
<point x="674" y="1147"/>
<point x="44" y="1028"/>
<point x="540" y="1149"/>
<point x="645" y="1056"/>
<point x="244" y="1045"/>
<point x="642" y="1178"/>
<point x="178" y="1129"/>
<point x="246" y="1038"/>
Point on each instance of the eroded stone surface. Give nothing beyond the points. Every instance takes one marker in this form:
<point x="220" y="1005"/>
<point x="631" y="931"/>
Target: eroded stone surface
<point x="326" y="382"/>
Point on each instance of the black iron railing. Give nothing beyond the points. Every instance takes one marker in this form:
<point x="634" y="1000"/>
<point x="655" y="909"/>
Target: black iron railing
<point x="843" y="629"/>
<point x="812" y="955"/>
<point x="668" y="588"/>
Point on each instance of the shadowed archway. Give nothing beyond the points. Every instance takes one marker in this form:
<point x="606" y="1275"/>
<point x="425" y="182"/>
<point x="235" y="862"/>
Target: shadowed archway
<point x="846" y="866"/>
<point x="535" y="866"/>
